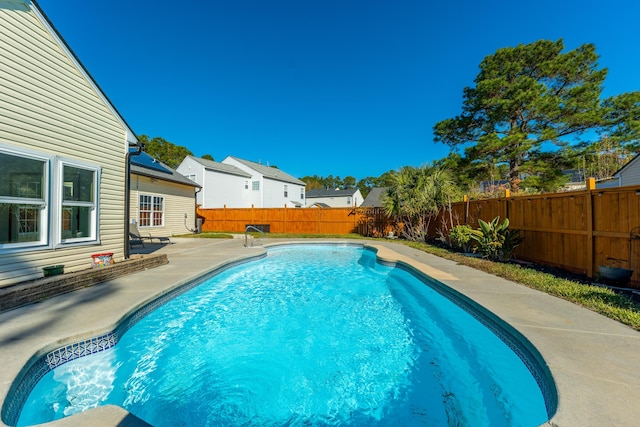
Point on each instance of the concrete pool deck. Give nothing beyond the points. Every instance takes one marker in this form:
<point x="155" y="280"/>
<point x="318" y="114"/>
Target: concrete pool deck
<point x="594" y="361"/>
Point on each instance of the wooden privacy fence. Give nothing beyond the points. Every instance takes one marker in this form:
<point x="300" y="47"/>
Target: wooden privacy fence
<point x="285" y="220"/>
<point x="577" y="231"/>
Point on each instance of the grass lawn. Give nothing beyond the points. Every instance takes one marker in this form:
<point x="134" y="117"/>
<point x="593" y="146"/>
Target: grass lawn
<point x="597" y="298"/>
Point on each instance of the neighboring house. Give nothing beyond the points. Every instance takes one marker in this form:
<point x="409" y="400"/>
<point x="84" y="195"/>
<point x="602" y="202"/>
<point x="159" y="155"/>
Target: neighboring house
<point x="63" y="153"/>
<point x="270" y="187"/>
<point x="163" y="202"/>
<point x="577" y="180"/>
<point x="221" y="184"/>
<point x="374" y="198"/>
<point x="335" y="198"/>
<point x="629" y="174"/>
<point x="237" y="183"/>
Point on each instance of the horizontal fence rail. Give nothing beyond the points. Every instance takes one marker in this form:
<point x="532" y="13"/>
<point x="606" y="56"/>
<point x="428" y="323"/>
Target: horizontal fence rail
<point x="577" y="231"/>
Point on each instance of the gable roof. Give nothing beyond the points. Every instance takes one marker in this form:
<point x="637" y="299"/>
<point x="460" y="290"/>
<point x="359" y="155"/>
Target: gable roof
<point x="634" y="160"/>
<point x="131" y="137"/>
<point x="144" y="164"/>
<point x="221" y="167"/>
<point x="322" y="192"/>
<point x="269" y="172"/>
<point x="374" y="198"/>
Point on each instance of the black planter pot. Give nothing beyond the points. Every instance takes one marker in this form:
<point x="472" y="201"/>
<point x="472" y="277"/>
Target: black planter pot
<point x="616" y="275"/>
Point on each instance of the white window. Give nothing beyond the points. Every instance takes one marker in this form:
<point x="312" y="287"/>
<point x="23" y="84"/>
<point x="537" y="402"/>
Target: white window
<point x="151" y="211"/>
<point x="302" y="193"/>
<point x="78" y="207"/>
<point x="286" y="190"/>
<point x="349" y="200"/>
<point x="192" y="177"/>
<point x="24" y="199"/>
<point x="246" y="184"/>
<point x="255" y="185"/>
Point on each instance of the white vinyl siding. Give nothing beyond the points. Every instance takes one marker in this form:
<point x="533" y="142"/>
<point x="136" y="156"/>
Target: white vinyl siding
<point x="630" y="175"/>
<point x="50" y="105"/>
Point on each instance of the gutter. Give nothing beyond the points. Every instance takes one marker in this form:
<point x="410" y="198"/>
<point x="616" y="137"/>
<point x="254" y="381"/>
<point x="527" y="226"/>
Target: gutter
<point x="127" y="196"/>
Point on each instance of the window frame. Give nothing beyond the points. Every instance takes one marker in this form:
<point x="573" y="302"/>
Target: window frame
<point x="255" y="185"/>
<point x="43" y="204"/>
<point x="286" y="190"/>
<point x="94" y="215"/>
<point x="152" y="210"/>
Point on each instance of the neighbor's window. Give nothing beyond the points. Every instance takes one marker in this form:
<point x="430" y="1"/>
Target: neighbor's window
<point x="255" y="185"/>
<point x="151" y="210"/>
<point x="349" y="200"/>
<point x="302" y="193"/>
<point x="79" y="195"/>
<point x="286" y="191"/>
<point x="23" y="199"/>
<point x="246" y="185"/>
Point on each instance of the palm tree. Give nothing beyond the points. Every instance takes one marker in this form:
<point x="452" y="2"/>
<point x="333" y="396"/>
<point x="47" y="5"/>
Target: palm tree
<point x="415" y="197"/>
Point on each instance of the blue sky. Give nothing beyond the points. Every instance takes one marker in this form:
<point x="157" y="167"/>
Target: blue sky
<point x="319" y="87"/>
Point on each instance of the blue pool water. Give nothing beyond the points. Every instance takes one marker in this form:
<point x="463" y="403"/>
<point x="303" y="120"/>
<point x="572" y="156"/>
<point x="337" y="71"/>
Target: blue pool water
<point x="310" y="335"/>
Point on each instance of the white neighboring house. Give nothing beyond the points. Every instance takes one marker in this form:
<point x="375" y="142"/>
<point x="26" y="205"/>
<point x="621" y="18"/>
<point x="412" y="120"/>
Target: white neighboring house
<point x="237" y="183"/>
<point x="270" y="187"/>
<point x="335" y="198"/>
<point x="221" y="184"/>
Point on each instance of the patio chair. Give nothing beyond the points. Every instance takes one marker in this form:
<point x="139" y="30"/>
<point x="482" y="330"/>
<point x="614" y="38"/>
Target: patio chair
<point x="135" y="234"/>
<point x="135" y="240"/>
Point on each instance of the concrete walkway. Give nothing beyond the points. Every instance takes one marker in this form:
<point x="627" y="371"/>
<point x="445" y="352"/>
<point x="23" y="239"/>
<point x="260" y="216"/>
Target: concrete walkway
<point x="595" y="361"/>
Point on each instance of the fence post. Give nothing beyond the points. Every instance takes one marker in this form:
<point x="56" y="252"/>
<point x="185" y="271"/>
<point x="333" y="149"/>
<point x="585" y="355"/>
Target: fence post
<point x="507" y="195"/>
<point x="285" y="218"/>
<point x="465" y="200"/>
<point x="591" y="186"/>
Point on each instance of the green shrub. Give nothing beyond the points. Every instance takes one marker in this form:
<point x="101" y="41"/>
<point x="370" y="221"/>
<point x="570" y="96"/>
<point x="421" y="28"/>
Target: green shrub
<point x="460" y="236"/>
<point x="495" y="241"/>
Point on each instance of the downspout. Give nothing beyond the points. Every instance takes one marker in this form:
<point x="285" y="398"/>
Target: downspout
<point x="195" y="212"/>
<point x="127" y="202"/>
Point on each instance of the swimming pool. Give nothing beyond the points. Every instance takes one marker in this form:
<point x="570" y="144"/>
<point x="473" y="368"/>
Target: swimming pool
<point x="314" y="335"/>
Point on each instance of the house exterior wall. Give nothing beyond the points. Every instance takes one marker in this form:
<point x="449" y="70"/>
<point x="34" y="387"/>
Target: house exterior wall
<point x="338" y="201"/>
<point x="271" y="193"/>
<point x="218" y="188"/>
<point x="225" y="189"/>
<point x="51" y="108"/>
<point x="194" y="171"/>
<point x="630" y="175"/>
<point x="178" y="201"/>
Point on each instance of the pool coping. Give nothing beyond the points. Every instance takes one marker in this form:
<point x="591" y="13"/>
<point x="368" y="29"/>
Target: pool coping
<point x="573" y="341"/>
